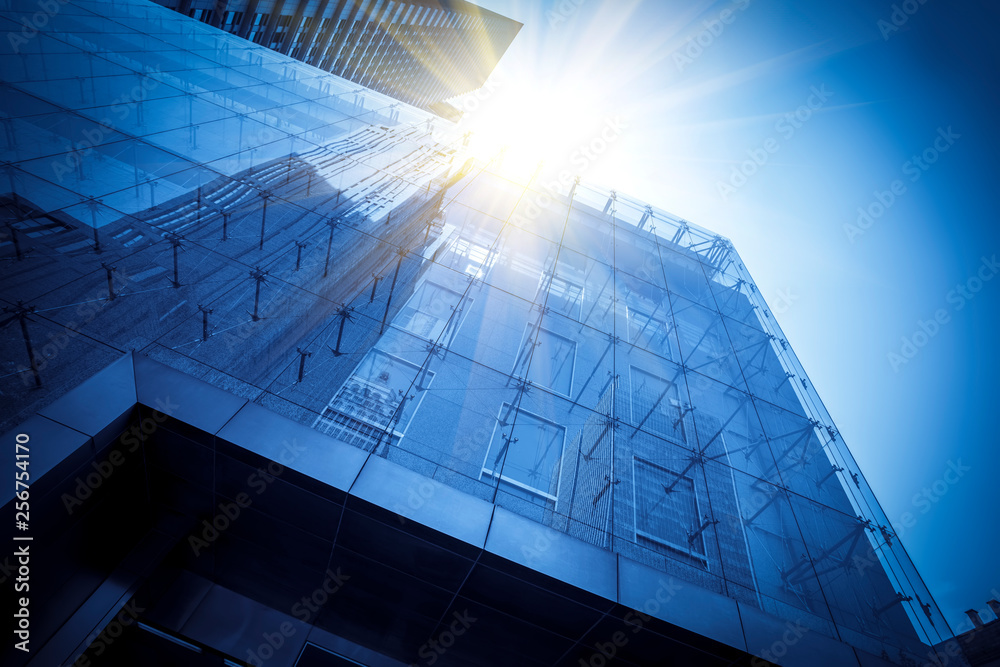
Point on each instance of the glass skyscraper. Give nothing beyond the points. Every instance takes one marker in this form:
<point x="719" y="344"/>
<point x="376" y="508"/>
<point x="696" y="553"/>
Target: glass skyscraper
<point x="306" y="383"/>
<point x="420" y="52"/>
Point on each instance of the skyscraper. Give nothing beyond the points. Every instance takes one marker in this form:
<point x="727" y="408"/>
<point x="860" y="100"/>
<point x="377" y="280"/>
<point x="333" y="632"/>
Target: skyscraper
<point x="296" y="380"/>
<point x="418" y="51"/>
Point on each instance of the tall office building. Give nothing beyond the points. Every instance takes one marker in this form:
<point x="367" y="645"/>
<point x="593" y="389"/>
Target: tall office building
<point x="294" y="380"/>
<point x="422" y="52"/>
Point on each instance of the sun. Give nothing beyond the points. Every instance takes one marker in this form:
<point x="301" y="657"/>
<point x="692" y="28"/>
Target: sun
<point x="520" y="124"/>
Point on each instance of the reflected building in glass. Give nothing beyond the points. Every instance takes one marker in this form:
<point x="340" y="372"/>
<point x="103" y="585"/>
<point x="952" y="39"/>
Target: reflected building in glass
<point x="305" y="383"/>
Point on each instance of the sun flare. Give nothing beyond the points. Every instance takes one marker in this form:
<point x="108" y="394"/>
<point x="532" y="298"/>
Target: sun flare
<point x="522" y="124"/>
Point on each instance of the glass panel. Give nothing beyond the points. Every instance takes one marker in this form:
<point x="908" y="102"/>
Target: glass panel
<point x="525" y="454"/>
<point x="667" y="509"/>
<point x="586" y="360"/>
<point x="376" y="401"/>
<point x="428" y="311"/>
<point x="548" y="358"/>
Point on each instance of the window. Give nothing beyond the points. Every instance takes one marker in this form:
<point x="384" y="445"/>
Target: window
<point x="376" y="403"/>
<point x="701" y="345"/>
<point x="525" y="453"/>
<point x="552" y="362"/>
<point x="656" y="407"/>
<point x="565" y="297"/>
<point x="649" y="333"/>
<point x="428" y="311"/>
<point x="666" y="509"/>
<point x="471" y="258"/>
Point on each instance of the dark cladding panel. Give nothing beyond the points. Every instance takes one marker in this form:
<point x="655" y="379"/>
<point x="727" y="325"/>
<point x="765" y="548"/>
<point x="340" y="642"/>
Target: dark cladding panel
<point x="657" y="595"/>
<point x="182" y="397"/>
<point x="255" y="435"/>
<point x="51" y="448"/>
<point x="790" y="643"/>
<point x="101" y="404"/>
<point x="424" y="501"/>
<point x="527" y="543"/>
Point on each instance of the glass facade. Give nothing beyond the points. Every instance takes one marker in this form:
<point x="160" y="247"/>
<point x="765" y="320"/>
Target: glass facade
<point x="418" y="52"/>
<point x="614" y="374"/>
<point x="582" y="359"/>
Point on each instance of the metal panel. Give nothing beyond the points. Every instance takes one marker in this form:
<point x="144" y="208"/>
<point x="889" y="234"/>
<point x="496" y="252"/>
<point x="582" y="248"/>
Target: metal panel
<point x="100" y="405"/>
<point x="791" y="644"/>
<point x="552" y="553"/>
<point x="183" y="397"/>
<point x="679" y="603"/>
<point x="423" y="500"/>
<point x="306" y="453"/>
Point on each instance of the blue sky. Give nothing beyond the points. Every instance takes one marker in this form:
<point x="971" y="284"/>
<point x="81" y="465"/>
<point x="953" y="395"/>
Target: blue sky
<point x="825" y="108"/>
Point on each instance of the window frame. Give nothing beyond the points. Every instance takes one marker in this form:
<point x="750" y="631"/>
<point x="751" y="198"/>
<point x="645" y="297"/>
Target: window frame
<point x="637" y="462"/>
<point x="395" y="436"/>
<point x="499" y="477"/>
<point x="467" y="249"/>
<point x="666" y="347"/>
<point x="460" y="302"/>
<point x="576" y="312"/>
<point x="674" y="402"/>
<point x="520" y="350"/>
